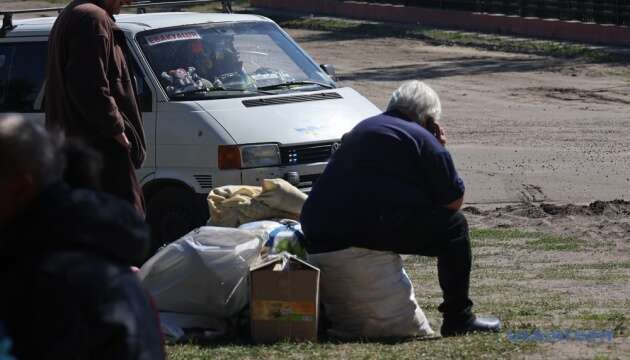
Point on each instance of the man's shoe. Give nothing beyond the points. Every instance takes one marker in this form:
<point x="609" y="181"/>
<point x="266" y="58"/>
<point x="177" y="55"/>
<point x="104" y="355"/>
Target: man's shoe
<point x="474" y="324"/>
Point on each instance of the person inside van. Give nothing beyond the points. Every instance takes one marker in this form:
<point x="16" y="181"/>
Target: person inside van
<point x="68" y="290"/>
<point x="217" y="60"/>
<point x="392" y="186"/>
<point x="193" y="66"/>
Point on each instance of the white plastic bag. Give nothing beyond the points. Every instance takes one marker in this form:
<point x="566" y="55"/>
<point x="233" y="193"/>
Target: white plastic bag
<point x="203" y="273"/>
<point x="282" y="235"/>
<point x="367" y="294"/>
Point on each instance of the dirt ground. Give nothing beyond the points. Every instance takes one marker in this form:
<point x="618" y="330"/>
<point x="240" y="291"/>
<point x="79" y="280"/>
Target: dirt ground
<point x="524" y="130"/>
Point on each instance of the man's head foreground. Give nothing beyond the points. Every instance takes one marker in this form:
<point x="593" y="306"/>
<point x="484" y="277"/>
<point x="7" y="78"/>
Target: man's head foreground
<point x="29" y="160"/>
<point x="416" y="100"/>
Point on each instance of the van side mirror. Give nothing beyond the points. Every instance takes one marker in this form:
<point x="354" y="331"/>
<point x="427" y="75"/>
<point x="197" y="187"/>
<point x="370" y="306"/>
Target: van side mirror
<point x="330" y="70"/>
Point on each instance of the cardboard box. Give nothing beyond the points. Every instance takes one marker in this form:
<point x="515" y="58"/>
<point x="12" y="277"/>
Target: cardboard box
<point x="284" y="303"/>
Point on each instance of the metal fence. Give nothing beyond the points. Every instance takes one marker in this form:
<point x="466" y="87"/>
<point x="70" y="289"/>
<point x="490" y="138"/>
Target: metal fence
<point x="602" y="11"/>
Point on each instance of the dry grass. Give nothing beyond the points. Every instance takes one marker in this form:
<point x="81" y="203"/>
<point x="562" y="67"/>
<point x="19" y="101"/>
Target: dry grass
<point x="519" y="276"/>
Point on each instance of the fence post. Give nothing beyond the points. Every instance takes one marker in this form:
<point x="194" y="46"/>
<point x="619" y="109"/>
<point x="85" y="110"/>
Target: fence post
<point x="618" y="12"/>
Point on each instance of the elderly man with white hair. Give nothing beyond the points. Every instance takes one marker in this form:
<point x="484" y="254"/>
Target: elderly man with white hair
<point x="392" y="186"/>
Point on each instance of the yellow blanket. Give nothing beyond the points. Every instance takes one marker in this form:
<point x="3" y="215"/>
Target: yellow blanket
<point x="233" y="205"/>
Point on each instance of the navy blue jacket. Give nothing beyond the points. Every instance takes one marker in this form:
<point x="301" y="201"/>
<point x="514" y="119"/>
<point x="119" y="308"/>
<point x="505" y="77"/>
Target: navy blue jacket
<point x="67" y="288"/>
<point x="387" y="171"/>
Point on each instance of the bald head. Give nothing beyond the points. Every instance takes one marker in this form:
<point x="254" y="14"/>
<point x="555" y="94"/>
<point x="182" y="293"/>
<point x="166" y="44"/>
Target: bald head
<point x="27" y="149"/>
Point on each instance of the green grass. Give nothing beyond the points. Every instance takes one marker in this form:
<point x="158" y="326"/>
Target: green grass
<point x="433" y="36"/>
<point x="519" y="283"/>
<point x="467" y="347"/>
<point x="501" y="234"/>
<point x="533" y="240"/>
<point x="555" y="243"/>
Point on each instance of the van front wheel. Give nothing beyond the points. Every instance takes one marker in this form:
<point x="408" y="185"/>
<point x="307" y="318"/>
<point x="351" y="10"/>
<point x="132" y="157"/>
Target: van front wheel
<point x="172" y="213"/>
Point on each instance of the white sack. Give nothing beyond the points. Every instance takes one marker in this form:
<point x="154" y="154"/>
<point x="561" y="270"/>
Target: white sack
<point x="281" y="195"/>
<point x="203" y="273"/>
<point x="367" y="294"/>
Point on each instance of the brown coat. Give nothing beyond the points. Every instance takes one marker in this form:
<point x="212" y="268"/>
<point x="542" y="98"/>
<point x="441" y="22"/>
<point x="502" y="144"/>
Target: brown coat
<point x="89" y="91"/>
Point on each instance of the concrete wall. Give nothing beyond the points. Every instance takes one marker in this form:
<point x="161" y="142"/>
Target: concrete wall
<point x="545" y="28"/>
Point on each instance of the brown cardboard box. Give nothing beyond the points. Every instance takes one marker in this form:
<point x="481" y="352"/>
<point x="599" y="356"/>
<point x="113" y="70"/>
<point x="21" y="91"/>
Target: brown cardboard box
<point x="284" y="300"/>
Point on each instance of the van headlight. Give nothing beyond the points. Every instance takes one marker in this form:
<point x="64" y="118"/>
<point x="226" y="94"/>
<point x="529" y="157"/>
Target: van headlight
<point x="248" y="156"/>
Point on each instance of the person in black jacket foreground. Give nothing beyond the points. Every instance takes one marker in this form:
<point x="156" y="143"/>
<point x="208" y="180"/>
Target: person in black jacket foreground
<point x="392" y="186"/>
<point x="68" y="291"/>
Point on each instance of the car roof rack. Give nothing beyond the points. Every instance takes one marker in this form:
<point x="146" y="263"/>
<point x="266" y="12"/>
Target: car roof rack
<point x="140" y="6"/>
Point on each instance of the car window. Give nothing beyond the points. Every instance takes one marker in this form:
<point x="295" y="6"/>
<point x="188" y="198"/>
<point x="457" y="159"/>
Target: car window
<point x="143" y="92"/>
<point x="228" y="59"/>
<point x="22" y="74"/>
<point x="145" y="97"/>
<point x="6" y="57"/>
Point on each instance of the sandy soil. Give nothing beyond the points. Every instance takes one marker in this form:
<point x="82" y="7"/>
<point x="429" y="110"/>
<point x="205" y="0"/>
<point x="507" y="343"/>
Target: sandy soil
<point x="524" y="130"/>
<point x="520" y="127"/>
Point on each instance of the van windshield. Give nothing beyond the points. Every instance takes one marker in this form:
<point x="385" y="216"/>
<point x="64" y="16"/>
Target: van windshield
<point x="229" y="60"/>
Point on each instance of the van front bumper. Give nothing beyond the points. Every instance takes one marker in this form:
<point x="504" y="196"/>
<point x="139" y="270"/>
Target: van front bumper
<point x="302" y="176"/>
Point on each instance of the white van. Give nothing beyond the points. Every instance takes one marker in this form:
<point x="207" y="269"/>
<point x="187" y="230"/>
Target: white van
<point x="225" y="99"/>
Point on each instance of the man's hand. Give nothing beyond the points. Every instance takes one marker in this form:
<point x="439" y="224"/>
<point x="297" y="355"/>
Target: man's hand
<point x="122" y="140"/>
<point x="440" y="133"/>
<point x="437" y="130"/>
<point x="455" y="205"/>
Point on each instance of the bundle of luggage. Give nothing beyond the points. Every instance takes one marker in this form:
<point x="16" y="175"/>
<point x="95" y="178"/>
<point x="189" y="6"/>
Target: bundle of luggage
<point x="247" y="274"/>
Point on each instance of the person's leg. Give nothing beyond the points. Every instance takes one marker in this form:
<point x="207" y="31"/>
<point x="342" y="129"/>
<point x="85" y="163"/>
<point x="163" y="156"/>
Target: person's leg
<point x="454" y="263"/>
<point x="444" y="234"/>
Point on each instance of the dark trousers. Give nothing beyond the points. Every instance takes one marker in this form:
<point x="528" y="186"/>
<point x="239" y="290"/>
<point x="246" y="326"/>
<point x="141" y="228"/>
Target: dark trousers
<point x="119" y="176"/>
<point x="442" y="234"/>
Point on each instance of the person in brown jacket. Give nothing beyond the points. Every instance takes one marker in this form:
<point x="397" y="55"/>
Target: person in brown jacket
<point x="90" y="94"/>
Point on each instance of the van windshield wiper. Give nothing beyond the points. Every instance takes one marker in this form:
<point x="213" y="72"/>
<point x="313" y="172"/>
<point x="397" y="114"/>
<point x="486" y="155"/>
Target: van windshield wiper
<point x="217" y="89"/>
<point x="296" y="83"/>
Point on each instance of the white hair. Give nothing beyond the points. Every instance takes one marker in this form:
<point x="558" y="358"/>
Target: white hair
<point x="417" y="100"/>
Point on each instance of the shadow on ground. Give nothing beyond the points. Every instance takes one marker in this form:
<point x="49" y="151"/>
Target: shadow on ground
<point x="449" y="67"/>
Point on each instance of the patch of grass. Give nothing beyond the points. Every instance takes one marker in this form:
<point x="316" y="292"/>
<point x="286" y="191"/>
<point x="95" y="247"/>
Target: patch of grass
<point x="601" y="357"/>
<point x="502" y="234"/>
<point x="614" y="320"/>
<point x="465" y="347"/>
<point x="501" y="288"/>
<point x="598" y="266"/>
<point x="603" y="317"/>
<point x="608" y="272"/>
<point x="450" y="37"/>
<point x="555" y="243"/>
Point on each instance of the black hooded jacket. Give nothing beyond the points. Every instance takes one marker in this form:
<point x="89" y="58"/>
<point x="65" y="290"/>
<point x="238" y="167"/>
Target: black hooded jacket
<point x="67" y="290"/>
